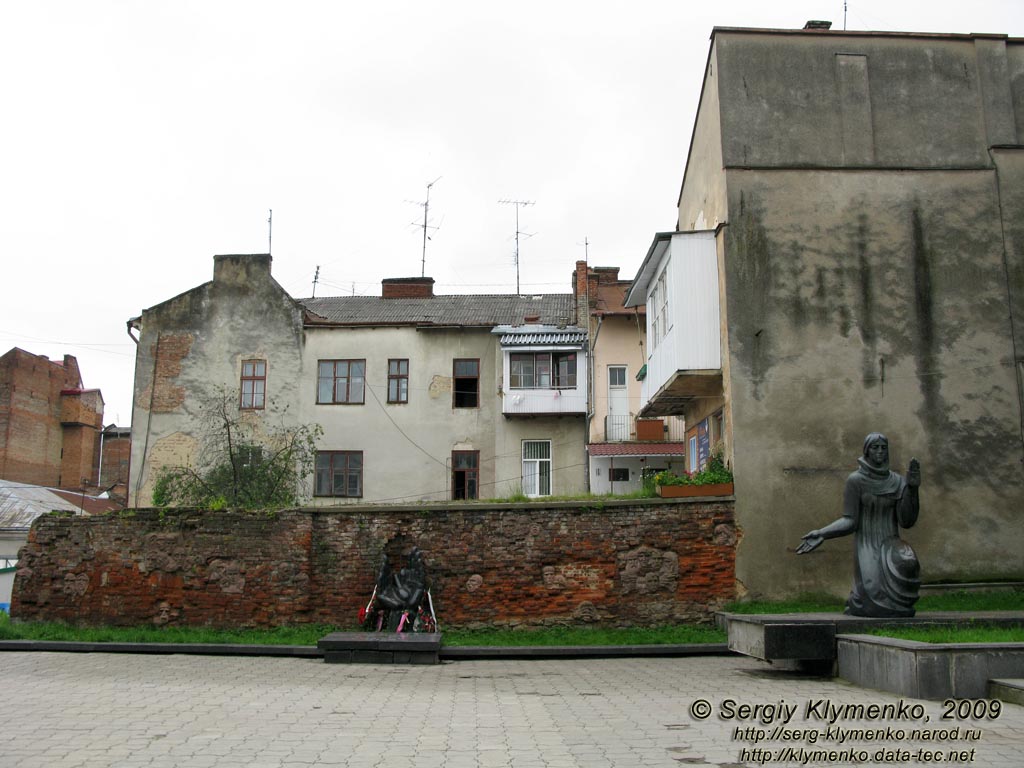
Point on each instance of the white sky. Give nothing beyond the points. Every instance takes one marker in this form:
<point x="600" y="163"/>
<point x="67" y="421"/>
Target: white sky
<point x="141" y="138"/>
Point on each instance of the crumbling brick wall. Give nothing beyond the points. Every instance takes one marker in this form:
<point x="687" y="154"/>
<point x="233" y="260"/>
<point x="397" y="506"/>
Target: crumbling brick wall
<point x="620" y="564"/>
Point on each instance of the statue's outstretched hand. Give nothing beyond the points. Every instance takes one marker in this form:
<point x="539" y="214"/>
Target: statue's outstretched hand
<point x="914" y="473"/>
<point x="810" y="541"/>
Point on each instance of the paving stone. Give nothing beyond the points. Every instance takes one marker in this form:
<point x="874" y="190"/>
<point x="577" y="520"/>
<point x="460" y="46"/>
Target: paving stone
<point x="223" y="712"/>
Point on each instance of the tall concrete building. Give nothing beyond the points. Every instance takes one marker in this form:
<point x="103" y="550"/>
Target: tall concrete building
<point x="849" y="257"/>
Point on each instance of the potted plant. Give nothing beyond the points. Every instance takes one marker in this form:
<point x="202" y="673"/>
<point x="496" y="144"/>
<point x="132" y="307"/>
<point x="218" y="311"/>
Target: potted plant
<point x="714" y="480"/>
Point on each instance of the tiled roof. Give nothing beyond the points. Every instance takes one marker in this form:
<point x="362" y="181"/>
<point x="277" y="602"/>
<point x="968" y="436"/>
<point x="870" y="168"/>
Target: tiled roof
<point x="637" y="449"/>
<point x="468" y="310"/>
<point x="610" y="297"/>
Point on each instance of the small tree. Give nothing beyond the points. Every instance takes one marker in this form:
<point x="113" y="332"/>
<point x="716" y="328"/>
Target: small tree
<point x="243" y="463"/>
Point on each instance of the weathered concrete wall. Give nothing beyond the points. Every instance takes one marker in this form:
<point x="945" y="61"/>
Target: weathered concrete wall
<point x="828" y="100"/>
<point x="870" y="273"/>
<point x="703" y="205"/>
<point x="190" y="350"/>
<point x="621" y="564"/>
<point x="861" y="302"/>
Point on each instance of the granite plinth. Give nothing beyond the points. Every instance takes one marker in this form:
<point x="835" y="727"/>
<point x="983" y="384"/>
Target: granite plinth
<point x="380" y="648"/>
<point x="909" y="668"/>
<point x="812" y="636"/>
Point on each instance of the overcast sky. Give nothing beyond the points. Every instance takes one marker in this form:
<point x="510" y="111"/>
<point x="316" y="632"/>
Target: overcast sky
<point x="141" y="138"/>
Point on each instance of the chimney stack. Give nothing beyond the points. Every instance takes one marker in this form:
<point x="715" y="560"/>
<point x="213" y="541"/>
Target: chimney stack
<point x="407" y="287"/>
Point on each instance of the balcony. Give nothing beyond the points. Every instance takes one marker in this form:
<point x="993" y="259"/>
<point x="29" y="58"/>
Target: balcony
<point x="544" y="370"/>
<point x="627" y="427"/>
<point x="536" y="402"/>
<point x="679" y="277"/>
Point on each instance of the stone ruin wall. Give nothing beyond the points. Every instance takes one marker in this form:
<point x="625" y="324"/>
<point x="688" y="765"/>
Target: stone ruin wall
<point x="621" y="564"/>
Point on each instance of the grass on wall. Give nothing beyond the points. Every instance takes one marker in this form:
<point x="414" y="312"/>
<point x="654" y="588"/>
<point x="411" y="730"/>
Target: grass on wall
<point x="309" y="634"/>
<point x="1010" y="600"/>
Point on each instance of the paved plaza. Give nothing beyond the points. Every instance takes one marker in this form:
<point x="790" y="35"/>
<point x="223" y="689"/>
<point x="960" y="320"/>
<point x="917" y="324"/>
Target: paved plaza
<point x="64" y="710"/>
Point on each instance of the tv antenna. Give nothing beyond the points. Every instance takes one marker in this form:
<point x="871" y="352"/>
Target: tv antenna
<point x="270" y="229"/>
<point x="425" y="225"/>
<point x="518" y="204"/>
<point x="316" y="279"/>
<point x="844" y="15"/>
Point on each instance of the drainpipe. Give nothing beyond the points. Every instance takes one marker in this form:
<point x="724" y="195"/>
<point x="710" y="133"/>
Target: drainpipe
<point x="99" y="467"/>
<point x="590" y="394"/>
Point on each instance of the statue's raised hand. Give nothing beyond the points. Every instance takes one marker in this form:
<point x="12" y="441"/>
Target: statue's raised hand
<point x="914" y="473"/>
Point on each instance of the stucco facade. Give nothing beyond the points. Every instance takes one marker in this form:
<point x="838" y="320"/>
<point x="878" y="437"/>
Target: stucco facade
<point x="867" y="197"/>
<point x="394" y="448"/>
<point x="620" y="447"/>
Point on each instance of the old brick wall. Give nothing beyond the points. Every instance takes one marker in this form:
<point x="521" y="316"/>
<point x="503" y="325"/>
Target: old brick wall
<point x="31" y="438"/>
<point x="620" y="564"/>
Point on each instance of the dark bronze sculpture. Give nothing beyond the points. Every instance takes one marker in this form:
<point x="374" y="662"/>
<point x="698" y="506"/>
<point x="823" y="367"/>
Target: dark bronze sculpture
<point x="876" y="504"/>
<point x="401" y="601"/>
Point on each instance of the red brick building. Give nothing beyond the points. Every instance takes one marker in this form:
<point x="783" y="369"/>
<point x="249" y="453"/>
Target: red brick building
<point x="51" y="426"/>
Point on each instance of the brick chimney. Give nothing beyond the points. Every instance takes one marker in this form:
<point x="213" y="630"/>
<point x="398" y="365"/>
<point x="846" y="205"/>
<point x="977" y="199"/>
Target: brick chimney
<point x="579" y="291"/>
<point x="407" y="288"/>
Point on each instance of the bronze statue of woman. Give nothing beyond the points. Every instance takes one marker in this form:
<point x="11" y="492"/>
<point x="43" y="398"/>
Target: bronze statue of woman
<point x="876" y="504"/>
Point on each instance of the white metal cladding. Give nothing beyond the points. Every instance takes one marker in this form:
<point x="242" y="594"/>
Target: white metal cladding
<point x="693" y="339"/>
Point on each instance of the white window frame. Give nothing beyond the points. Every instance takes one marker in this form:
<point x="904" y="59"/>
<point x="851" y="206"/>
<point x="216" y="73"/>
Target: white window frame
<point x="691" y="455"/>
<point x="533" y="476"/>
<point x="625" y="373"/>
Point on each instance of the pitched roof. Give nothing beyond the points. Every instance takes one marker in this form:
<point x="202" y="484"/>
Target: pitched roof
<point x="21" y="503"/>
<point x="459" y="310"/>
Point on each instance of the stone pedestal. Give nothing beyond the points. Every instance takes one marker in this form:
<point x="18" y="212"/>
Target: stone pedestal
<point x="380" y="648"/>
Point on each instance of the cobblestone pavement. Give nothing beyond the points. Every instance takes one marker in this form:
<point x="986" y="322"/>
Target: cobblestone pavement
<point x="69" y="710"/>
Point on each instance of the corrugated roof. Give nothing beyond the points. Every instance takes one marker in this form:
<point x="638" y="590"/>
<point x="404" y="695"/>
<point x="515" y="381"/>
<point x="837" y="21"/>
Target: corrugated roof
<point x="468" y="310"/>
<point x="21" y="503"/>
<point x="573" y="337"/>
<point x="637" y="449"/>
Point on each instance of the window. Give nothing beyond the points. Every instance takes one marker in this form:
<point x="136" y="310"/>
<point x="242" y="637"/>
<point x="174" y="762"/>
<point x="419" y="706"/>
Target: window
<point x="542" y="370"/>
<point x="465" y="474"/>
<point x="339" y="473"/>
<point x="616" y="376"/>
<point x="691" y="455"/>
<point x="537" y="467"/>
<point x="659" y="305"/>
<point x="341" y="381"/>
<point x="619" y="475"/>
<point x="564" y="365"/>
<point x="248" y="456"/>
<point x="466" y="390"/>
<point x="398" y="381"/>
<point x="254" y="384"/>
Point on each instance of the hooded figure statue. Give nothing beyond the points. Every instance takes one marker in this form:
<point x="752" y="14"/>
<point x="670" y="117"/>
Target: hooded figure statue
<point x="876" y="504"/>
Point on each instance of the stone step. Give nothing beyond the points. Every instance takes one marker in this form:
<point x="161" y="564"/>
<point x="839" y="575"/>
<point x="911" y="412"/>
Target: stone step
<point x="1007" y="689"/>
